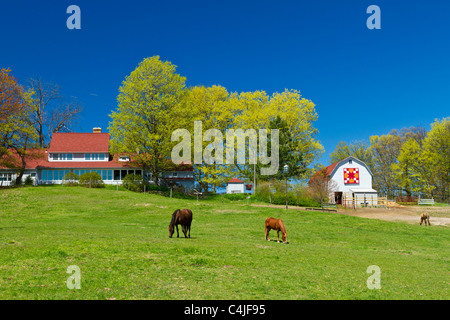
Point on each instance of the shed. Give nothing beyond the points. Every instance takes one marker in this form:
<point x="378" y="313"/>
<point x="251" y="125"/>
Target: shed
<point x="235" y="185"/>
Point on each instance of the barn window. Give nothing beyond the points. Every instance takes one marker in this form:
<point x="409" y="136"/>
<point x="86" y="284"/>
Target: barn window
<point x="350" y="161"/>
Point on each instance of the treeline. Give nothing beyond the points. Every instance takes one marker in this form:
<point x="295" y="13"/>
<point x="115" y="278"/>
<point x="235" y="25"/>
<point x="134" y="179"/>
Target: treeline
<point x="410" y="161"/>
<point x="154" y="101"/>
<point x="29" y="115"/>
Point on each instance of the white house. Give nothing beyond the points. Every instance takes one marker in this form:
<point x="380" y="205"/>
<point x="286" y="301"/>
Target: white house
<point x="353" y="180"/>
<point x="235" y="185"/>
<point x="86" y="152"/>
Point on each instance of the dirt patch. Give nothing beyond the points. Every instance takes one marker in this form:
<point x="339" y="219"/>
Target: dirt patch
<point x="438" y="215"/>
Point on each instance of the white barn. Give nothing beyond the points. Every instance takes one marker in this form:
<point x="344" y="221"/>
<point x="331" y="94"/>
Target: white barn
<point x="354" y="183"/>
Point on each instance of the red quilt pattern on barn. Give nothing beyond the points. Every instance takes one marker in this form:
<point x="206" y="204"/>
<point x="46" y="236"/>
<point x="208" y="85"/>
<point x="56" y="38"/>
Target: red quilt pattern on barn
<point x="351" y="175"/>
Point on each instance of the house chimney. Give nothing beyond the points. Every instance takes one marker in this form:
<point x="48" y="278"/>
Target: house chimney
<point x="97" y="130"/>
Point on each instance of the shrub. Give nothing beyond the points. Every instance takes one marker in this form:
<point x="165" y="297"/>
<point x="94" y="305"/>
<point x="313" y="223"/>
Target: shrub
<point x="29" y="181"/>
<point x="276" y="192"/>
<point x="71" y="179"/>
<point x="133" y="182"/>
<point x="91" y="180"/>
<point x="236" y="196"/>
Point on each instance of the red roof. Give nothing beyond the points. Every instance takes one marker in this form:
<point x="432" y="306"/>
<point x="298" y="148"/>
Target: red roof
<point x="79" y="142"/>
<point x="328" y="170"/>
<point x="38" y="159"/>
<point x="235" y="180"/>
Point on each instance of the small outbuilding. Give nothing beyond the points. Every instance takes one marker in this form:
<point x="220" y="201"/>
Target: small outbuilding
<point x="235" y="185"/>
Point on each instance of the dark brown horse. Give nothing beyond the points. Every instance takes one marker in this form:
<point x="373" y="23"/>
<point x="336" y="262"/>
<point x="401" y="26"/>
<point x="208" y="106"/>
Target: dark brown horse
<point x="278" y="225"/>
<point x="183" y="217"/>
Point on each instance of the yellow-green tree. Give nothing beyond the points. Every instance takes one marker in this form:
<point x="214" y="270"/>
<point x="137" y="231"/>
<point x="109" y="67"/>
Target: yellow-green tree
<point x="212" y="106"/>
<point x="436" y="158"/>
<point x="407" y="169"/>
<point x="143" y="122"/>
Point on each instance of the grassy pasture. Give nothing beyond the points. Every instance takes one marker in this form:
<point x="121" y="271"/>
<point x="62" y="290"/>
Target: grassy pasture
<point x="120" y="242"/>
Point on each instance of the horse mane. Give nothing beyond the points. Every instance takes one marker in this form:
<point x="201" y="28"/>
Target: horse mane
<point x="174" y="216"/>
<point x="282" y="227"/>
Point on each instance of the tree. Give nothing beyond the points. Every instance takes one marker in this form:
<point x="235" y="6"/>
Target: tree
<point x="11" y="95"/>
<point x="211" y="106"/>
<point x="255" y="110"/>
<point x="288" y="151"/>
<point x="16" y="135"/>
<point x="406" y="169"/>
<point x="321" y="187"/>
<point x="358" y="149"/>
<point x="385" y="150"/>
<point x="50" y="112"/>
<point x="143" y="122"/>
<point x="436" y="157"/>
<point x="339" y="153"/>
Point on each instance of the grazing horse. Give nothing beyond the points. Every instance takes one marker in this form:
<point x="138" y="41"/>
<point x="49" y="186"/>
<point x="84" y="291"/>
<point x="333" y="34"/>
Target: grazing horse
<point x="183" y="217"/>
<point x="278" y="225"/>
<point x="425" y="217"/>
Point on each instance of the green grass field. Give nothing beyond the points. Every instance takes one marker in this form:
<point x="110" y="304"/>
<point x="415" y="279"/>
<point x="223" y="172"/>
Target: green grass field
<point x="119" y="240"/>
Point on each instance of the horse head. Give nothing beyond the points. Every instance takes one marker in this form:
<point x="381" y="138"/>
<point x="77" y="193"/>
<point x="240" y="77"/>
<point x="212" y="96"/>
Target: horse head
<point x="284" y="236"/>
<point x="172" y="223"/>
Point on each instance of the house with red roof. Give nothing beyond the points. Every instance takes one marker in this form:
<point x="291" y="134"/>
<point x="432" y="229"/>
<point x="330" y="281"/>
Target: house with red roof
<point x="86" y="152"/>
<point x="353" y="181"/>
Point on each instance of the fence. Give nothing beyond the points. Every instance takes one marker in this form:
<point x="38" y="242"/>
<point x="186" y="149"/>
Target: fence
<point x="366" y="202"/>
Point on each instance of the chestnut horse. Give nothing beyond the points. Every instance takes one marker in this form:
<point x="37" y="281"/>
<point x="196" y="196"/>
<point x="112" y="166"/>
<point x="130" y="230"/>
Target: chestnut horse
<point x="183" y="217"/>
<point x="278" y="225"/>
<point x="425" y="217"/>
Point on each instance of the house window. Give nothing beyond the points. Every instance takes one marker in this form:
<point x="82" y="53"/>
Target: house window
<point x="62" y="156"/>
<point x="94" y="156"/>
<point x="116" y="174"/>
<point x="124" y="158"/>
<point x="5" y="176"/>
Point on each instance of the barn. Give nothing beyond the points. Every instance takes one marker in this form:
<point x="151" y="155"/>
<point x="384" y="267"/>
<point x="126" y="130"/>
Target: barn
<point x="352" y="183"/>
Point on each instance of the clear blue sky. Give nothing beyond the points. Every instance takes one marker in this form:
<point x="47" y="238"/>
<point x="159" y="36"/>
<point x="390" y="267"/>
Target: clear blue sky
<point x="363" y="82"/>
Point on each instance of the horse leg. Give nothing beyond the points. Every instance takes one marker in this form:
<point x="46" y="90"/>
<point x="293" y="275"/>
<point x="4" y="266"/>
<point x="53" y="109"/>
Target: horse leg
<point x="178" y="235"/>
<point x="267" y="233"/>
<point x="189" y="229"/>
<point x="428" y="219"/>
<point x="184" y="230"/>
<point x="278" y="236"/>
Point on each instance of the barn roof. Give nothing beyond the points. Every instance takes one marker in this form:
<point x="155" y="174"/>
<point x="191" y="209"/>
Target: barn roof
<point x="331" y="169"/>
<point x="235" y="180"/>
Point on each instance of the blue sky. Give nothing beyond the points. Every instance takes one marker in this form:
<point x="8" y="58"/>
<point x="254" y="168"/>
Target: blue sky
<point x="363" y="82"/>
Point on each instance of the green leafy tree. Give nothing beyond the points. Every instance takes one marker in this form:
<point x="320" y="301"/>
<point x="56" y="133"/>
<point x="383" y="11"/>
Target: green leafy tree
<point x="406" y="169"/>
<point x="143" y="122"/>
<point x="436" y="157"/>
